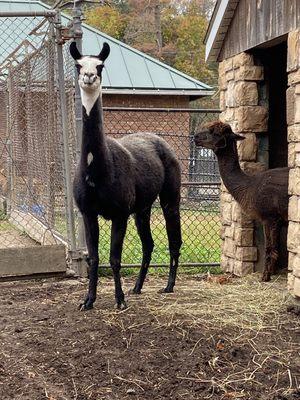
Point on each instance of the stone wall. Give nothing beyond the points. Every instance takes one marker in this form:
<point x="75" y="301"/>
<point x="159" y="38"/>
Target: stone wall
<point x="293" y="120"/>
<point x="240" y="106"/>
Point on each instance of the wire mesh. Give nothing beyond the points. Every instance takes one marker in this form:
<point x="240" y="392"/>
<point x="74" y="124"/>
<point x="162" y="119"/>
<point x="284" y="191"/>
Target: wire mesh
<point x="200" y="186"/>
<point x="31" y="158"/>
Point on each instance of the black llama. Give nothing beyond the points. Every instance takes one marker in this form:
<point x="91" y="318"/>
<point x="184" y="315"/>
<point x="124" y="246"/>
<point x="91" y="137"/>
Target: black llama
<point x="116" y="178"/>
<point x="263" y="196"/>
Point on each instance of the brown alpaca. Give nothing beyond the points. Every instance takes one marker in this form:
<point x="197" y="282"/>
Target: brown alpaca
<point x="263" y="196"/>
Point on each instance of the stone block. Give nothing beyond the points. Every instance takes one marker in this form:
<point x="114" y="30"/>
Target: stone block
<point x="242" y="59"/>
<point x="291" y="260"/>
<point x="293" y="56"/>
<point x="229" y="231"/>
<point x="242" y="268"/>
<point x="222" y="79"/>
<point x="250" y="73"/>
<point x="294" y="209"/>
<point x="294" y="77"/>
<point x="240" y="217"/>
<point x="252" y="119"/>
<point x="296" y="291"/>
<point x="225" y="196"/>
<point x="243" y="236"/>
<point x="229" y="248"/>
<point x="297" y="108"/>
<point x="246" y="253"/>
<point x="228" y="64"/>
<point x="229" y="76"/>
<point x="252" y="168"/>
<point x="290" y="282"/>
<point x="229" y="96"/>
<point x="294" y="133"/>
<point x="222" y="100"/>
<point x="228" y="115"/>
<point x="293" y="238"/>
<point x="247" y="148"/>
<point x="294" y="181"/>
<point x="290" y="105"/>
<point x="226" y="213"/>
<point x="291" y="155"/>
<point x="245" y="94"/>
<point x="296" y="266"/>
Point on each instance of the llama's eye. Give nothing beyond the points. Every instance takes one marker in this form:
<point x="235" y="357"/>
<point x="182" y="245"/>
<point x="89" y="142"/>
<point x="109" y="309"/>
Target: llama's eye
<point x="78" y="67"/>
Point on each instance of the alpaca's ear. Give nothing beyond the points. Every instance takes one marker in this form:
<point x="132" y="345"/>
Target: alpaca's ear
<point x="235" y="136"/>
<point x="104" y="53"/>
<point x="74" y="51"/>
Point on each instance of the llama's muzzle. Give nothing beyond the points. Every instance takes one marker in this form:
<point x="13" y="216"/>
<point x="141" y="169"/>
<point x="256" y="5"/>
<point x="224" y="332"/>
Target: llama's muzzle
<point x="200" y="138"/>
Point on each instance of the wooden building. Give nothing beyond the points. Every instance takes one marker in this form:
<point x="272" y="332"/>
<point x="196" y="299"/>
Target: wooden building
<point x="257" y="45"/>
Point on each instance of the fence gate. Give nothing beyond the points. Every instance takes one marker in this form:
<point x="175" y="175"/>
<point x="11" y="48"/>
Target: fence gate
<point x="33" y="214"/>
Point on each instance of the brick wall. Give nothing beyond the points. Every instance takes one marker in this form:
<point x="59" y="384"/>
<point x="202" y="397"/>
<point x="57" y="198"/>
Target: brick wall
<point x="174" y="127"/>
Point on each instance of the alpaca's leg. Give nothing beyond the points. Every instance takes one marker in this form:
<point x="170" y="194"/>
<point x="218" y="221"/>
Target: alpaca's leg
<point x="271" y="233"/>
<point x="142" y="222"/>
<point x="170" y="207"/>
<point x="92" y="239"/>
<point x="118" y="231"/>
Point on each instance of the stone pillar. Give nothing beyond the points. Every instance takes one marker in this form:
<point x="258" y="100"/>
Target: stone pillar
<point x="239" y="103"/>
<point x="293" y="120"/>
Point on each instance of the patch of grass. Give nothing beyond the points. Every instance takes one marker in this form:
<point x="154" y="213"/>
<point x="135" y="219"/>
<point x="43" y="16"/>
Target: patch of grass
<point x="200" y="234"/>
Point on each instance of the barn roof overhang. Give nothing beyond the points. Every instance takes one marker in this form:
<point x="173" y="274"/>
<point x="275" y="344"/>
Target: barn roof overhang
<point x="218" y="27"/>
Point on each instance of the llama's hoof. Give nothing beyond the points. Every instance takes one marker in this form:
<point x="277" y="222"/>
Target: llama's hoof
<point x="134" y="291"/>
<point x="166" y="290"/>
<point x="87" y="305"/>
<point x="266" y="278"/>
<point x="121" y="306"/>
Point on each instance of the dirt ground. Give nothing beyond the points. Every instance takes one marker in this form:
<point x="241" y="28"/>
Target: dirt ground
<point x="211" y="339"/>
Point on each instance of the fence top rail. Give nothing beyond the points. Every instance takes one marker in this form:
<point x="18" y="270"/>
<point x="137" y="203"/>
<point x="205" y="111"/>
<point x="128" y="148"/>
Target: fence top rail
<point x="173" y="110"/>
<point x="48" y="13"/>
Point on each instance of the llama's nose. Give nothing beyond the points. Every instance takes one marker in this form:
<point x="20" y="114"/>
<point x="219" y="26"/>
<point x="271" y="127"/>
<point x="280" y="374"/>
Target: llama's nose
<point x="89" y="78"/>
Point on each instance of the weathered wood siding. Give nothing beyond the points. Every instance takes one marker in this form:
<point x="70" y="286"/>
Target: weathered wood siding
<point x="258" y="21"/>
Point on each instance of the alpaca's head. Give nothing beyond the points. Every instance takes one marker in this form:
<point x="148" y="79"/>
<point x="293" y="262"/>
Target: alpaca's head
<point x="216" y="135"/>
<point x="89" y="68"/>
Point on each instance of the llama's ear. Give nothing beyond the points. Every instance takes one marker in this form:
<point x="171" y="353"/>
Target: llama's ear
<point x="235" y="136"/>
<point x="74" y="51"/>
<point x="104" y="53"/>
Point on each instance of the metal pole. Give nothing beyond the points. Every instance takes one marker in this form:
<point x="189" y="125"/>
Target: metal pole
<point x="77" y="30"/>
<point x="64" y="121"/>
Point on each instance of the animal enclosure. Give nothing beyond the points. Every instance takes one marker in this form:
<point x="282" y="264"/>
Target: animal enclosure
<point x="39" y="147"/>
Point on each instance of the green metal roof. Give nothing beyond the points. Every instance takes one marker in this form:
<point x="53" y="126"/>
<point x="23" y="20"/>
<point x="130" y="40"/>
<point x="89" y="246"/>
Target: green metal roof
<point x="127" y="69"/>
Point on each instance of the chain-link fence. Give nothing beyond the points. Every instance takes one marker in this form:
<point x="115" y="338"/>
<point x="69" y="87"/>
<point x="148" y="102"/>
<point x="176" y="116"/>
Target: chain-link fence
<point x="39" y="147"/>
<point x="200" y="185"/>
<point x="32" y="168"/>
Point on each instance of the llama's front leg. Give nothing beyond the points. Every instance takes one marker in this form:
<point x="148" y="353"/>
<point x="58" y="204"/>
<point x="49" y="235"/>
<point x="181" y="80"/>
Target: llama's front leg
<point x="172" y="217"/>
<point x="271" y="233"/>
<point x="92" y="240"/>
<point x="142" y="222"/>
<point x="118" y="231"/>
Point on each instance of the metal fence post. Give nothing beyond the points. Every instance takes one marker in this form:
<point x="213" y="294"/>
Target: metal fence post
<point x="77" y="31"/>
<point x="75" y="258"/>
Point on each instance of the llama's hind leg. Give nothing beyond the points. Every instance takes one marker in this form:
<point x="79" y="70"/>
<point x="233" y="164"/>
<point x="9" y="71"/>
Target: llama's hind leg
<point x="142" y="221"/>
<point x="92" y="239"/>
<point x="172" y="217"/>
<point x="271" y="233"/>
<point x="118" y="230"/>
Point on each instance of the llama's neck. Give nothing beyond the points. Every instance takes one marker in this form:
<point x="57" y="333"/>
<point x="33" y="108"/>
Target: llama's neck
<point x="93" y="147"/>
<point x="234" y="179"/>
